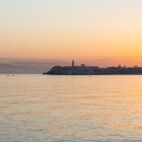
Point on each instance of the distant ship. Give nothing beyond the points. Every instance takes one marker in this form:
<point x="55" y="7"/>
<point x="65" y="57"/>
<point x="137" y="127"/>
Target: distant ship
<point x="10" y="75"/>
<point x="93" y="70"/>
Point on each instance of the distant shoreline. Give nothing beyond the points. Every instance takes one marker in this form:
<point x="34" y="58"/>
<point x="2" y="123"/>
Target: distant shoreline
<point x="92" y="74"/>
<point x="93" y="70"/>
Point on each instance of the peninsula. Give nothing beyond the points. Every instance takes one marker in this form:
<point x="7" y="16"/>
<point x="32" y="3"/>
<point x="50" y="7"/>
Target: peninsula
<point x="93" y="70"/>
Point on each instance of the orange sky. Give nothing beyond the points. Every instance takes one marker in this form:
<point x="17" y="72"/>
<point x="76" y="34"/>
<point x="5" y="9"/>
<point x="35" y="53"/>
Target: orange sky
<point x="88" y="31"/>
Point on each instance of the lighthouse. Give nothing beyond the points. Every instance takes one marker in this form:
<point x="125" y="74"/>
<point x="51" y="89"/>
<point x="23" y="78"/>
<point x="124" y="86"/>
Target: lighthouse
<point x="72" y="63"/>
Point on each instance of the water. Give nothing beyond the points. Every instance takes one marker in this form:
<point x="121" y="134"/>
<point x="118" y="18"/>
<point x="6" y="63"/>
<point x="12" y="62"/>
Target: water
<point x="36" y="108"/>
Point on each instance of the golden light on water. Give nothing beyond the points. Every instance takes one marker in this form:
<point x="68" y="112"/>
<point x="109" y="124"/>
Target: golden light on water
<point x="71" y="108"/>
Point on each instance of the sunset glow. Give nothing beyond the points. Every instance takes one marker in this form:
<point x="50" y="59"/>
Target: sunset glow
<point x="95" y="32"/>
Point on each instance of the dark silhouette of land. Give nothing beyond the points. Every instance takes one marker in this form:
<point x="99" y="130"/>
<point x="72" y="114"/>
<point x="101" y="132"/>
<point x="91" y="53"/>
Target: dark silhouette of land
<point x="93" y="70"/>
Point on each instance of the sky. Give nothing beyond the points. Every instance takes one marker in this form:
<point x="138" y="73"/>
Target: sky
<point x="96" y="32"/>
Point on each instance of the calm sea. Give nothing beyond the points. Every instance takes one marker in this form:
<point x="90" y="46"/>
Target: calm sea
<point x="37" y="108"/>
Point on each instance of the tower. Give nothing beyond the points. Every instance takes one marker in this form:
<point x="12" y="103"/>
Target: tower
<point x="72" y="63"/>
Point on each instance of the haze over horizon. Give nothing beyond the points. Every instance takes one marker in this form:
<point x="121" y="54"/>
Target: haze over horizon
<point x="102" y="33"/>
